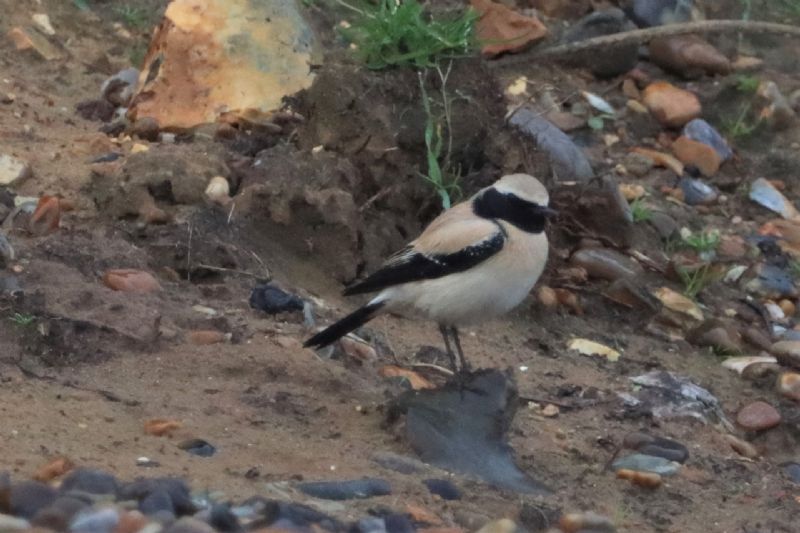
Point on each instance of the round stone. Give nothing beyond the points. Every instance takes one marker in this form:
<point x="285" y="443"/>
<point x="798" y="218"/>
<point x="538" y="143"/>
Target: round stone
<point x="758" y="416"/>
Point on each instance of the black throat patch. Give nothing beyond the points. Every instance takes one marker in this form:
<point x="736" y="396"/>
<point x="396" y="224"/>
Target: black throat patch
<point x="527" y="216"/>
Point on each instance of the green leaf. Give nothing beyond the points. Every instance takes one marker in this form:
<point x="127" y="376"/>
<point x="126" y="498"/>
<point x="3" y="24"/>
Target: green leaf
<point x="596" y="123"/>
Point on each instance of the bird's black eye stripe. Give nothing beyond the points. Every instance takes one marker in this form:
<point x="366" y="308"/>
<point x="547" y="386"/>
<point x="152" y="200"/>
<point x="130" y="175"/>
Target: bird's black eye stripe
<point x="527" y="216"/>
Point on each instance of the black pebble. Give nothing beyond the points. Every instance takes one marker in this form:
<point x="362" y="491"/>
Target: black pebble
<point x="346" y="490"/>
<point x="157" y="501"/>
<point x="58" y="515"/>
<point x="299" y="515"/>
<point x="28" y="497"/>
<point x="272" y="300"/>
<point x="198" y="447"/>
<point x="176" y="488"/>
<point x="443" y="488"/>
<point x="91" y="481"/>
<point x="223" y="520"/>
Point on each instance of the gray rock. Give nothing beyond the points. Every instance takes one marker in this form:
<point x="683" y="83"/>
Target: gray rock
<point x="646" y="463"/>
<point x="606" y="264"/>
<point x="189" y="525"/>
<point x="95" y="521"/>
<point x="13" y="170"/>
<point x="697" y="192"/>
<point x="701" y="131"/>
<point x="648" y="13"/>
<point x="28" y="497"/>
<point x="11" y="523"/>
<point x="665" y="225"/>
<point x="606" y="63"/>
<point x="90" y="481"/>
<point x="569" y="163"/>
<point x="118" y="89"/>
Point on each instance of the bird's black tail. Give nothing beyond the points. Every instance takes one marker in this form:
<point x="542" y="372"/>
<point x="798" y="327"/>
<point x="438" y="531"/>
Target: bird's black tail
<point x="354" y="320"/>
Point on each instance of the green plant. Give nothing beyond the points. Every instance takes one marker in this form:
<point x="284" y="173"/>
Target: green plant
<point x="747" y="84"/>
<point x="703" y="242"/>
<point x="696" y="280"/>
<point x="639" y="211"/>
<point x="22" y="319"/>
<point x="135" y="18"/>
<point x="83" y="5"/>
<point x="598" y="122"/>
<point x="743" y="125"/>
<point x="395" y="33"/>
<point x="136" y="54"/>
<point x="441" y="175"/>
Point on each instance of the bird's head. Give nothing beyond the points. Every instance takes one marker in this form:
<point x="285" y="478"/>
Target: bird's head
<point x="519" y="199"/>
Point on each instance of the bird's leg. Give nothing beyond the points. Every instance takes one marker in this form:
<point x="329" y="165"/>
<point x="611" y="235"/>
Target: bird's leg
<point x="443" y="330"/>
<point x="461" y="359"/>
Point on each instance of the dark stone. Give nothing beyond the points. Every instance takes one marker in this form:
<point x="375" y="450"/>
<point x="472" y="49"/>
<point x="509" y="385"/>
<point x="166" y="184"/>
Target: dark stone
<point x="176" y="488"/>
<point x="91" y="481"/>
<point x="443" y="488"/>
<point x="58" y="515"/>
<point x="29" y="497"/>
<point x="198" y="447"/>
<point x="647" y="13"/>
<point x="462" y="427"/>
<point x="107" y="158"/>
<point x="272" y="300"/>
<point x="537" y="517"/>
<point x="297" y="515"/>
<point x="792" y="471"/>
<point x="145" y="128"/>
<point x="101" y="110"/>
<point x="347" y="490"/>
<point x="398" y="523"/>
<point x="609" y="62"/>
<point x="223" y="520"/>
<point x="157" y="501"/>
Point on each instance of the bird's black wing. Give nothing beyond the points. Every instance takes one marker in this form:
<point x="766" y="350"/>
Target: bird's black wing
<point x="410" y="265"/>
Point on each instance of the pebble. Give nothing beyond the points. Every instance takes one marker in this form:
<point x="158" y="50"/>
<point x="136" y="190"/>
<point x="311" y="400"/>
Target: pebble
<point x="648" y="480"/>
<point x="13" y="170"/>
<point x="699" y="155"/>
<point x="189" y="525"/>
<point x="742" y="447"/>
<point x="90" y="481"/>
<point x="576" y="522"/>
<point x="789" y="385"/>
<point x="690" y="56"/>
<point x="568" y="161"/>
<point x="27" y="498"/>
<point x="792" y="471"/>
<point x="740" y="363"/>
<point x="272" y="299"/>
<point x="638" y="164"/>
<point x="504" y="525"/>
<point x="605" y="22"/>
<point x="657" y="446"/>
<point x="758" y="416"/>
<point x="156" y="502"/>
<point x="671" y="106"/>
<point x="130" y="280"/>
<point x="787" y="352"/>
<point x="145" y="128"/>
<point x="697" y="192"/>
<point x="660" y="159"/>
<point x="176" y="488"/>
<point x="11" y="523"/>
<point x="198" y="447"/>
<point x="43" y="24"/>
<point x="102" y="520"/>
<point x="346" y="490"/>
<point x="770" y="281"/>
<point x="443" y="488"/>
<point x="778" y="113"/>
<point x="205" y="337"/>
<point x="218" y="190"/>
<point x="647" y="13"/>
<point x="606" y="263"/>
<point x="647" y="463"/>
<point x="701" y="131"/>
<point x="665" y="225"/>
<point x="505" y="30"/>
<point x="764" y="193"/>
<point x="46" y="218"/>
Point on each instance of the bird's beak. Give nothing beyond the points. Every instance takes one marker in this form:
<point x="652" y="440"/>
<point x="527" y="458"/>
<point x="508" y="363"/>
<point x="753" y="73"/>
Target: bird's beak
<point x="548" y="212"/>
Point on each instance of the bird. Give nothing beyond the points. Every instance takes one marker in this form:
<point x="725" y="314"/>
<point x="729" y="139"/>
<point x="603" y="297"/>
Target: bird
<point x="474" y="262"/>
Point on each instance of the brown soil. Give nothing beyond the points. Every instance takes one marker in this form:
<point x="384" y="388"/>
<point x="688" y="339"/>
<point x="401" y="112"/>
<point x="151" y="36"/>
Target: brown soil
<point x="94" y="365"/>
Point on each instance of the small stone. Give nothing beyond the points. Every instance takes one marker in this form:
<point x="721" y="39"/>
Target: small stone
<point x="503" y="29"/>
<point x="701" y="131"/>
<point x="218" y="190"/>
<point x="742" y="447"/>
<point x="547" y="297"/>
<point x="672" y="107"/>
<point x="272" y="299"/>
<point x="504" y="525"/>
<point x="118" y="89"/>
<point x="138" y="148"/>
<point x="11" y="523"/>
<point x="789" y="385"/>
<point x="145" y="128"/>
<point x="100" y="109"/>
<point x="697" y="154"/>
<point x="53" y="469"/>
<point x="770" y="281"/>
<point x="443" y="488"/>
<point x="91" y="481"/>
<point x="13" y="170"/>
<point x="205" y="337"/>
<point x="102" y="520"/>
<point x="550" y="411"/>
<point x="646" y="463"/>
<point x="697" y="192"/>
<point x="161" y="426"/>
<point x="648" y="13"/>
<point x="660" y="159"/>
<point x="189" y="525"/>
<point x="198" y="447"/>
<point x="631" y="191"/>
<point x="130" y="280"/>
<point x="606" y="264"/>
<point x="25" y="39"/>
<point x="787" y="352"/>
<point x="766" y="194"/>
<point x="42" y="23"/>
<point x="732" y="247"/>
<point x="638" y="164"/>
<point x="690" y="56"/>
<point x="346" y="490"/>
<point x="157" y="502"/>
<point x="586" y="522"/>
<point x="648" y="480"/>
<point x="26" y="498"/>
<point x="792" y="471"/>
<point x="758" y="416"/>
<point x="605" y="22"/>
<point x="788" y="307"/>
